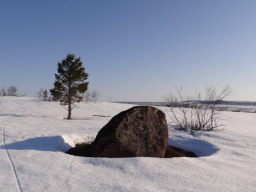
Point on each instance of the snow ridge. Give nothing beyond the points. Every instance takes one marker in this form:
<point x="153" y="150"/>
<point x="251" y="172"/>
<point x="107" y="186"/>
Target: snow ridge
<point x="10" y="160"/>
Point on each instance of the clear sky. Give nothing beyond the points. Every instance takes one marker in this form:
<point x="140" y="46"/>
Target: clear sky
<point x="133" y="50"/>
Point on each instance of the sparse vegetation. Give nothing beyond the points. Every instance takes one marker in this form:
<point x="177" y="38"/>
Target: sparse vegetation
<point x="43" y="95"/>
<point x="69" y="82"/>
<point x="200" y="113"/>
<point x="92" y="96"/>
<point x="11" y="91"/>
<point x="3" y="92"/>
<point x="40" y="93"/>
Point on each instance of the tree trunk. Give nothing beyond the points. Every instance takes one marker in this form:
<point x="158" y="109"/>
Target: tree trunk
<point x="69" y="100"/>
<point x="69" y="110"/>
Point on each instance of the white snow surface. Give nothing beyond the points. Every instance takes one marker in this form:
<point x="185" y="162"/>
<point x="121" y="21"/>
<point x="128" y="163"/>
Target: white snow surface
<point x="35" y="135"/>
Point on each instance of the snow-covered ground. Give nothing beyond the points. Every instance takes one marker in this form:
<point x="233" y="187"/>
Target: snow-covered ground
<point x="34" y="136"/>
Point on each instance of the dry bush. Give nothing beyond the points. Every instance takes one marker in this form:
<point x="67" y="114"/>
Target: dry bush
<point x="43" y="95"/>
<point x="200" y="113"/>
<point x="3" y="92"/>
<point x="40" y="93"/>
<point x="92" y="96"/>
<point x="12" y="91"/>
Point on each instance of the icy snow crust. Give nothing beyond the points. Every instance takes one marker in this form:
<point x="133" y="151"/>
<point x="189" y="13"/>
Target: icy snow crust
<point x="35" y="135"/>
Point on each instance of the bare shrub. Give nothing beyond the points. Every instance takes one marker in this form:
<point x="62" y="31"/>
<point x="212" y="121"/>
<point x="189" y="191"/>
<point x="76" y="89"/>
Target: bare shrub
<point x="43" y="95"/>
<point x="12" y="91"/>
<point x="87" y="96"/>
<point x="95" y="96"/>
<point x="40" y="93"/>
<point x="92" y="96"/>
<point x="3" y="92"/>
<point x="200" y="113"/>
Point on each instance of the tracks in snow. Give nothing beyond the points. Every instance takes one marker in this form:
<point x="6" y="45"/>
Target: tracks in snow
<point x="10" y="160"/>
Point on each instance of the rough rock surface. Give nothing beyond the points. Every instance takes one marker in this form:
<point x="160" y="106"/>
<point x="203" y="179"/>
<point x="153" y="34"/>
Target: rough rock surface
<point x="141" y="131"/>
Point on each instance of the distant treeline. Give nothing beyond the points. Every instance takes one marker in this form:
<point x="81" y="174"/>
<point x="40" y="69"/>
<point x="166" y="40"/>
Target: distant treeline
<point x="239" y="103"/>
<point x="232" y="106"/>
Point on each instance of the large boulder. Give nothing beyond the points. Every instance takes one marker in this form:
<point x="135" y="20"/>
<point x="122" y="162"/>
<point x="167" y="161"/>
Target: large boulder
<point x="141" y="131"/>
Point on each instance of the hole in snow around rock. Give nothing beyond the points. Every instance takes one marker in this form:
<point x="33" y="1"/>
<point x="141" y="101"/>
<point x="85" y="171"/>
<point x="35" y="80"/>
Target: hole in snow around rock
<point x="65" y="142"/>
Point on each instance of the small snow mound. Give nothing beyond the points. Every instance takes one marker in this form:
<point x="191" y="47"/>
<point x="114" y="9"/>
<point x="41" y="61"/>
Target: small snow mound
<point x="73" y="139"/>
<point x="62" y="145"/>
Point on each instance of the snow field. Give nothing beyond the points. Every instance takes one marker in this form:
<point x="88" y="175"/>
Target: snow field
<point x="36" y="135"/>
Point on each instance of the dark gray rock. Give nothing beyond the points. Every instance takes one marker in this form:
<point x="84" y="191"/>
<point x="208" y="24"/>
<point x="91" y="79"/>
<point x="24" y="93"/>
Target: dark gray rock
<point x="138" y="132"/>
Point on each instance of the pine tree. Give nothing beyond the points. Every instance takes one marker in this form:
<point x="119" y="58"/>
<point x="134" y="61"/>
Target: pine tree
<point x="70" y="82"/>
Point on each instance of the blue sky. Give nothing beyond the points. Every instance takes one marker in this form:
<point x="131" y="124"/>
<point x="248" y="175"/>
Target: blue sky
<point x="133" y="50"/>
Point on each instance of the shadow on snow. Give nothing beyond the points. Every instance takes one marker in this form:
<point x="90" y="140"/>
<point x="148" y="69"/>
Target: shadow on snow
<point x="53" y="143"/>
<point x="200" y="147"/>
